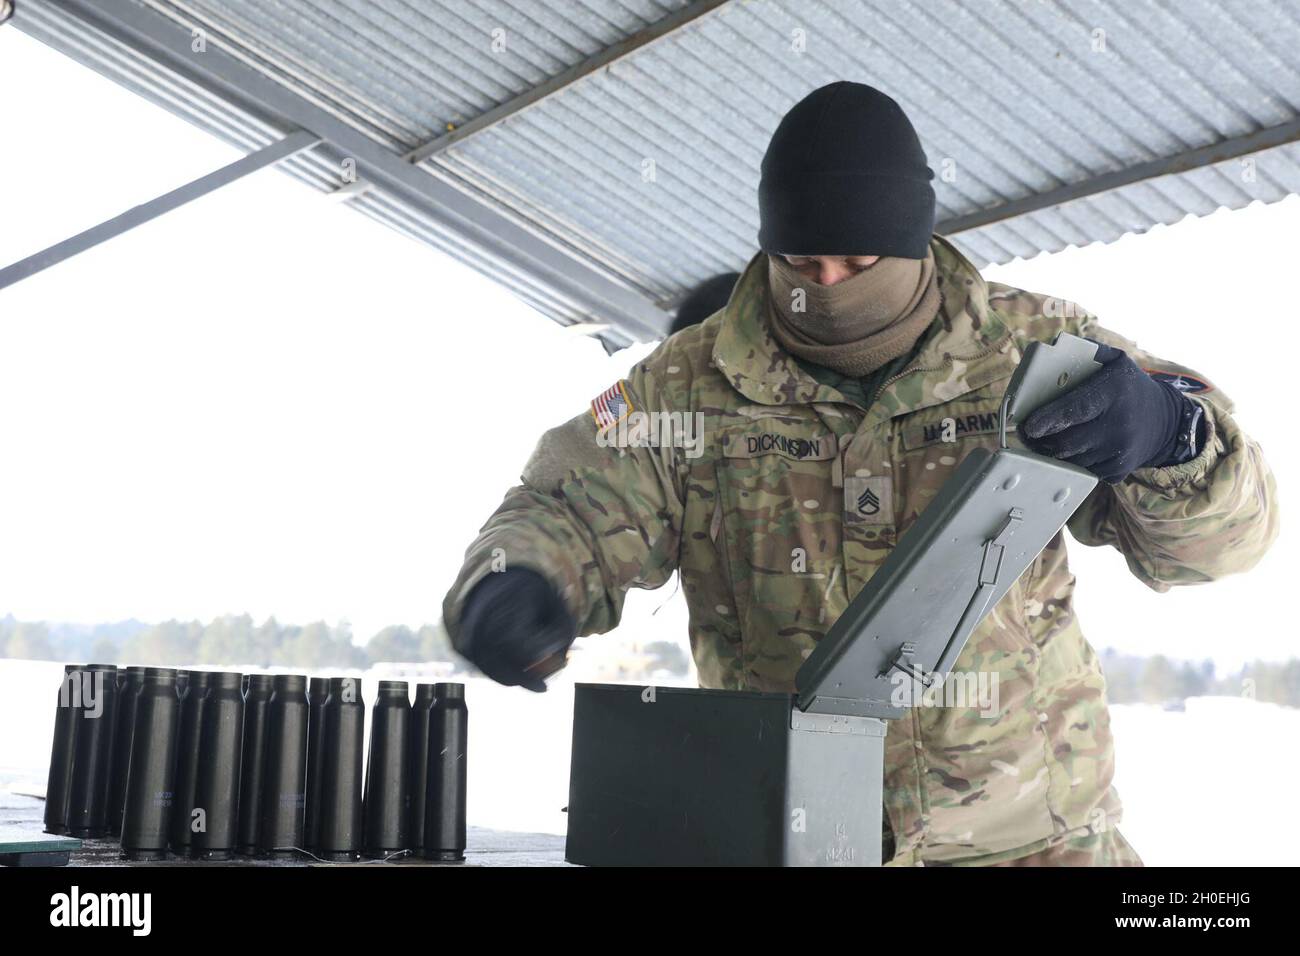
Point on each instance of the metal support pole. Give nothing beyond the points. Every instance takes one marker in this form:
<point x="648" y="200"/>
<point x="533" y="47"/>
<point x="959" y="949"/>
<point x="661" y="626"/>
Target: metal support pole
<point x="515" y="244"/>
<point x="1186" y="161"/>
<point x="660" y="29"/>
<point x="282" y="149"/>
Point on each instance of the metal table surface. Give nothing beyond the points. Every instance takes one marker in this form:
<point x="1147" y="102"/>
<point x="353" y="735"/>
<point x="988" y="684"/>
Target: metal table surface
<point x="21" y="817"/>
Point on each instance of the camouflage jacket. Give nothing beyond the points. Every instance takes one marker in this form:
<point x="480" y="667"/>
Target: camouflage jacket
<point x="791" y="495"/>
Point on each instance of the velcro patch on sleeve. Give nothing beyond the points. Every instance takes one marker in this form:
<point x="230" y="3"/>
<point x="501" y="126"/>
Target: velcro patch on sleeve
<point x="611" y="405"/>
<point x="1183" y="381"/>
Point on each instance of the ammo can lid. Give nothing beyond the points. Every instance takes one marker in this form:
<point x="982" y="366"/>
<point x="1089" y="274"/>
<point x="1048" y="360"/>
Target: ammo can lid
<point x="993" y="516"/>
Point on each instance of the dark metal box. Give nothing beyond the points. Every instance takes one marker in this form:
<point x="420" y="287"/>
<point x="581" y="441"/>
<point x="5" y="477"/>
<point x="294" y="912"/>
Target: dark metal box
<point x="679" y="776"/>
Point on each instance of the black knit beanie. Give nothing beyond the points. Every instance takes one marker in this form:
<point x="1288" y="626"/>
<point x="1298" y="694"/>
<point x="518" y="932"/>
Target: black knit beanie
<point x="845" y="175"/>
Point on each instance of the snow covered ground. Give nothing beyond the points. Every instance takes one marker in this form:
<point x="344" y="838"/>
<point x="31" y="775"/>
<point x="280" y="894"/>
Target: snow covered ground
<point x="1212" y="785"/>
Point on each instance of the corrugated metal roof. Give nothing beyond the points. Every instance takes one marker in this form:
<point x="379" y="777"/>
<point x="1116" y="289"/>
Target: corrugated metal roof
<point x="137" y="72"/>
<point x="646" y="168"/>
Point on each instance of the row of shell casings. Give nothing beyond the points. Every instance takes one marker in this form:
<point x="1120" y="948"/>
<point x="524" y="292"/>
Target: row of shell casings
<point x="210" y="763"/>
<point x="415" y="778"/>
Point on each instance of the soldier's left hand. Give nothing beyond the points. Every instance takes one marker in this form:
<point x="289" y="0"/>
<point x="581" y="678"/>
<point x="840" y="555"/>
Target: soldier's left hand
<point x="1118" y="420"/>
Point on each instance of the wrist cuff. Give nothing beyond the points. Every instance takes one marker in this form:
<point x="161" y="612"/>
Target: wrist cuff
<point x="1189" y="435"/>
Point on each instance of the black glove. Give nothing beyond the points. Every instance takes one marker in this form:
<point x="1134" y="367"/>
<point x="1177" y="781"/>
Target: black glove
<point x="515" y="628"/>
<point x="1118" y="420"/>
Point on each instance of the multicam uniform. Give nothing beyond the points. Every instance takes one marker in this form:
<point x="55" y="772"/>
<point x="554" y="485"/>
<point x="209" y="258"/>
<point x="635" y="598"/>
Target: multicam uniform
<point x="796" y="495"/>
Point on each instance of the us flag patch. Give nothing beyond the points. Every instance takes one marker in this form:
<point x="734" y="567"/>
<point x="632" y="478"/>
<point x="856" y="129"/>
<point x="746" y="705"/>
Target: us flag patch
<point x="610" y="405"/>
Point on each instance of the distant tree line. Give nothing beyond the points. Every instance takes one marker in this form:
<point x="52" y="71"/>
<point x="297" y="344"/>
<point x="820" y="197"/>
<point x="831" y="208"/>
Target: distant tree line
<point x="238" y="640"/>
<point x="1133" y="679"/>
<point x="229" y="640"/>
<point x="666" y="657"/>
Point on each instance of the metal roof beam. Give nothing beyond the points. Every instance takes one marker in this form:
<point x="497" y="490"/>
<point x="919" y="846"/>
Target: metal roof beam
<point x="598" y="61"/>
<point x="1186" y="161"/>
<point x="461" y="213"/>
<point x="282" y="149"/>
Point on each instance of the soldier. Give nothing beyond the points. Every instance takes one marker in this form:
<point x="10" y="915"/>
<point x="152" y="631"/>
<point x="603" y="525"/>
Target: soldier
<point x="702" y="301"/>
<point x="858" y="360"/>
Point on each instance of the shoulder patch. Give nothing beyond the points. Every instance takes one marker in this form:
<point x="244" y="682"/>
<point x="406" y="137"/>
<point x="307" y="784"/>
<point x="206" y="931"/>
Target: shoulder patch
<point x="1180" y="380"/>
<point x="611" y="406"/>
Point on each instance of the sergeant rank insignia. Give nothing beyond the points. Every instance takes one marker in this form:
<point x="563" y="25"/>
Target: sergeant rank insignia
<point x="868" y="500"/>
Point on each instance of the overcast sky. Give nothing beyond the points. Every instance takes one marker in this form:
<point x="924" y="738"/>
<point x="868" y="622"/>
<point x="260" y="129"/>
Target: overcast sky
<point x="265" y="402"/>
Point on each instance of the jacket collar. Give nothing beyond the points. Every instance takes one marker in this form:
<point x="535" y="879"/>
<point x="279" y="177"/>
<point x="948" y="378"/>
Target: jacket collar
<point x="966" y="347"/>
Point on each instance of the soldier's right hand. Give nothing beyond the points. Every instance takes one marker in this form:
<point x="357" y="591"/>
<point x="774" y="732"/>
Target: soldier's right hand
<point x="515" y="628"/>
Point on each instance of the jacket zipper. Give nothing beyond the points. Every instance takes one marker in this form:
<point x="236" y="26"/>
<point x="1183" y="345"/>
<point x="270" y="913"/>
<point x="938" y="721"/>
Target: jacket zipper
<point x="947" y="363"/>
